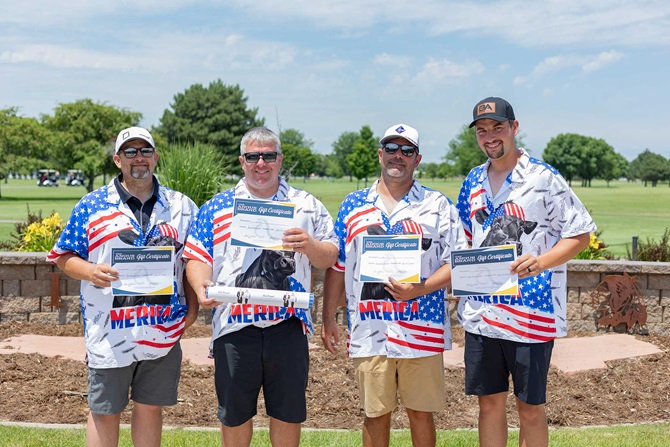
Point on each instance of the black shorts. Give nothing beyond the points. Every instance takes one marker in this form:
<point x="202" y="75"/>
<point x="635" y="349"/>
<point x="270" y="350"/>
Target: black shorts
<point x="274" y="358"/>
<point x="490" y="361"/>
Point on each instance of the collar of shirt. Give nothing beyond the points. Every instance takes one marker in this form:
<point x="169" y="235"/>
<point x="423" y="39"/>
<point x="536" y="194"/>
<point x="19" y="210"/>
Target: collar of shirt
<point x="517" y="174"/>
<point x="281" y="195"/>
<point x="125" y="196"/>
<point x="415" y="193"/>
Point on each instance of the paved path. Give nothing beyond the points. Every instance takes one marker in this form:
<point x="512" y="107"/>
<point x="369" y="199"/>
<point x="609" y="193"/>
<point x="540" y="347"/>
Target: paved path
<point x="569" y="355"/>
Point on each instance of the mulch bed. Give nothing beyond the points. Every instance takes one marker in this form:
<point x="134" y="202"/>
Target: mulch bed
<point x="35" y="388"/>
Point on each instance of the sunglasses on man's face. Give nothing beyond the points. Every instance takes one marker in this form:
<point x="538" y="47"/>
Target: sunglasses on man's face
<point x="253" y="157"/>
<point x="131" y="152"/>
<point x="406" y="149"/>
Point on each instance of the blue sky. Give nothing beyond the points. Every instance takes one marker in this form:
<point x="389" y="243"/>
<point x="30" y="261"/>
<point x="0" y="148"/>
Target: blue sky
<point x="598" y="68"/>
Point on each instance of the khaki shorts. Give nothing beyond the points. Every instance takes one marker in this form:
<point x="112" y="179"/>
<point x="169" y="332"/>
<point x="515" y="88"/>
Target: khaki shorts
<point x="418" y="382"/>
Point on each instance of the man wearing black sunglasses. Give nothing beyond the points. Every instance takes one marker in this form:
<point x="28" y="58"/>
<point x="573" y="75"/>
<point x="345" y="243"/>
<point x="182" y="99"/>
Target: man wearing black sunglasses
<point x="132" y="342"/>
<point x="398" y="331"/>
<point x="260" y="347"/>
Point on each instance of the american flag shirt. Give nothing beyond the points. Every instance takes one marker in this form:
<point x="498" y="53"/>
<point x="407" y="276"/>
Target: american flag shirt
<point x="536" y="203"/>
<point x="416" y="328"/>
<point x="118" y="336"/>
<point x="209" y="242"/>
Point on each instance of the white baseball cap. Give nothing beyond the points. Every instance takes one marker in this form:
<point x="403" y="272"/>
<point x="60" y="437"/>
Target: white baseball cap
<point x="401" y="131"/>
<point x="133" y="133"/>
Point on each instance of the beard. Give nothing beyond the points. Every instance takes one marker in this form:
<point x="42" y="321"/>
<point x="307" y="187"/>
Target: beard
<point x="139" y="173"/>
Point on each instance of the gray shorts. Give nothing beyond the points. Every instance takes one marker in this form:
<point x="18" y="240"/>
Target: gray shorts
<point x="151" y="382"/>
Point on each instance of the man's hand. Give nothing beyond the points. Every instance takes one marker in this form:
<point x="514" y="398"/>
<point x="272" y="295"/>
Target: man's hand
<point x="330" y="335"/>
<point x="102" y="275"/>
<point x="198" y="275"/>
<point x="401" y="291"/>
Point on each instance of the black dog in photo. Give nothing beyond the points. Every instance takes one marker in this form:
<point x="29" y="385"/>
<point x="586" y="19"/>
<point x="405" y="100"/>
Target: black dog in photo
<point x="129" y="237"/>
<point x="269" y="271"/>
<point x="376" y="290"/>
<point x="505" y="230"/>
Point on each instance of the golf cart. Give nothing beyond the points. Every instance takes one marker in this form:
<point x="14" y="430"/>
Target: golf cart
<point x="48" y="177"/>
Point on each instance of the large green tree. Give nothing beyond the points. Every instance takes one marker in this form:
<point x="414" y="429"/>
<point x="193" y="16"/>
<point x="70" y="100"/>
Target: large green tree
<point x="584" y="157"/>
<point x="299" y="160"/>
<point x="363" y="160"/>
<point x="342" y="147"/>
<point x="25" y="145"/>
<point x="216" y="115"/>
<point x="84" y="137"/>
<point x="563" y="152"/>
<point x="615" y="166"/>
<point x="650" y="167"/>
<point x="464" y="151"/>
<point x="333" y="167"/>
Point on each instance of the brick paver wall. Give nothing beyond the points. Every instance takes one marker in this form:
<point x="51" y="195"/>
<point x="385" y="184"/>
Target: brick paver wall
<point x="26" y="291"/>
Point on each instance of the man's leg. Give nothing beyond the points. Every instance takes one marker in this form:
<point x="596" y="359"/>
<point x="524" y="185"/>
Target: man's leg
<point x="377" y="431"/>
<point x="238" y="436"/>
<point x="146" y="425"/>
<point x="493" y="420"/>
<point x="284" y="434"/>
<point x="534" y="429"/>
<point x="422" y="427"/>
<point x="102" y="430"/>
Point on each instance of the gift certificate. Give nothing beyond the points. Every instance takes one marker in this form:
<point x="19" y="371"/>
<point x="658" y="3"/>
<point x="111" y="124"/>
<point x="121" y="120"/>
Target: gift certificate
<point x="390" y="256"/>
<point x="261" y="223"/>
<point x="484" y="271"/>
<point x="143" y="271"/>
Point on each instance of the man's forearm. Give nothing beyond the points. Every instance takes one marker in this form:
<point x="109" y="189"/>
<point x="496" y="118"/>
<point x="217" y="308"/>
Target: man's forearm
<point x="333" y="293"/>
<point x="323" y="255"/>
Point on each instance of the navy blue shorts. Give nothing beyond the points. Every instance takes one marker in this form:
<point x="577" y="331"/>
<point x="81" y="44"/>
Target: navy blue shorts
<point x="276" y="359"/>
<point x="490" y="361"/>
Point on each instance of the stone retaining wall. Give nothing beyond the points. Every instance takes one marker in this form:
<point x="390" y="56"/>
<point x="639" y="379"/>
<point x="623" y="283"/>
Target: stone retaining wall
<point x="27" y="294"/>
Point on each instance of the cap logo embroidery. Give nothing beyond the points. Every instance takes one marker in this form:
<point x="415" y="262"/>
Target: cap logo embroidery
<point x="400" y="129"/>
<point x="487" y="107"/>
<point x="125" y="135"/>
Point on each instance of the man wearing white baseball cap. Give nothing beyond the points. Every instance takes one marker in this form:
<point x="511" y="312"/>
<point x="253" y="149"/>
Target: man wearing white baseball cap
<point x="132" y="341"/>
<point x="397" y="330"/>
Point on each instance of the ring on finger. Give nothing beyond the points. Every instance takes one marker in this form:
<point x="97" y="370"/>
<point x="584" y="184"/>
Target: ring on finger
<point x="529" y="270"/>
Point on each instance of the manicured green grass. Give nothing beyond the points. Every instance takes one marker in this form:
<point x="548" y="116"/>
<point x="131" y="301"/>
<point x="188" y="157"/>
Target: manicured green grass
<point x="622" y="210"/>
<point x="652" y="435"/>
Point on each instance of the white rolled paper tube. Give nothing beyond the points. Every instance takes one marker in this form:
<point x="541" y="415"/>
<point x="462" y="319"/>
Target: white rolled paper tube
<point x="239" y="295"/>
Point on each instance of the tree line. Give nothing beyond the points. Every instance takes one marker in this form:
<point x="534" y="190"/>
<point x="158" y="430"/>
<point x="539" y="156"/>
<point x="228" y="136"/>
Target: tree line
<point x="80" y="135"/>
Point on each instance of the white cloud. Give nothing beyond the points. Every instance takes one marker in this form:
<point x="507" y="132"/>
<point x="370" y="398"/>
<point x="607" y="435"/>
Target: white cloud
<point x="435" y="71"/>
<point x="392" y="60"/>
<point x="558" y="63"/>
<point x="540" y="24"/>
<point x="529" y="24"/>
<point x="65" y="57"/>
<point x="602" y="60"/>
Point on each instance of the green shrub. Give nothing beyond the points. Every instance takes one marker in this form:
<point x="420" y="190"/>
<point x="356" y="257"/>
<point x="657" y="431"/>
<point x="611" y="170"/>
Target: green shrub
<point x="653" y="251"/>
<point x="192" y="169"/>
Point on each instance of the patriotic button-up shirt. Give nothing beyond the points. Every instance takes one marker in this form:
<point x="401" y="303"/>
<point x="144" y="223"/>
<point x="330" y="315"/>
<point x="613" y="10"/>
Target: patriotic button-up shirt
<point x="416" y="328"/>
<point x="534" y="209"/>
<point x="117" y="335"/>
<point x="209" y="242"/>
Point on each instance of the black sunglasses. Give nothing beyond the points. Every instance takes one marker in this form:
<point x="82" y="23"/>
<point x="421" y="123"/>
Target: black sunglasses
<point x="406" y="149"/>
<point x="131" y="152"/>
<point x="253" y="157"/>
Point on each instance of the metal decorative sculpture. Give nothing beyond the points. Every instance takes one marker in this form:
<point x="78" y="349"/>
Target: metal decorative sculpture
<point x="618" y="305"/>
